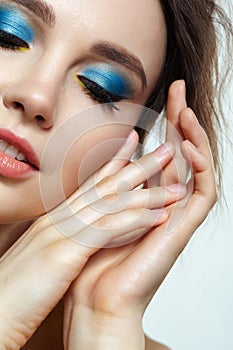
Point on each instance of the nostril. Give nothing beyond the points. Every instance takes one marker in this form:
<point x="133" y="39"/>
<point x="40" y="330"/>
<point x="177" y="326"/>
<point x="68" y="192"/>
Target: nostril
<point x="40" y="118"/>
<point x="18" y="105"/>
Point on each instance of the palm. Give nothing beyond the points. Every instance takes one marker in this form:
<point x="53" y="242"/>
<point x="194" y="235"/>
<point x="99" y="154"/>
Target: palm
<point x="104" y="276"/>
<point x="116" y="277"/>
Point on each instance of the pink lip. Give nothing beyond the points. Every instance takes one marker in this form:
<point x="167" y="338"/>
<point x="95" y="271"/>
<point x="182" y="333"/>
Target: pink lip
<point x="11" y="167"/>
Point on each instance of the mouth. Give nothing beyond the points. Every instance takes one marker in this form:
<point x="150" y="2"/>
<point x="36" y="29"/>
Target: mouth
<point x="13" y="152"/>
<point x="17" y="157"/>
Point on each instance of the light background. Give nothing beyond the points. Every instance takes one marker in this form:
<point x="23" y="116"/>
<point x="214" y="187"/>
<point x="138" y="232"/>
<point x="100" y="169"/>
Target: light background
<point x="193" y="309"/>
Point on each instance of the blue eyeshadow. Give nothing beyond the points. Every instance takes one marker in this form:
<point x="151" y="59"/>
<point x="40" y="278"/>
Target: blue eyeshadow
<point x="109" y="79"/>
<point x="13" y="22"/>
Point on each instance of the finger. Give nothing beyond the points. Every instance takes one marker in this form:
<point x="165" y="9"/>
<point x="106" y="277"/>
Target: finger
<point x="193" y="131"/>
<point x="197" y="137"/>
<point x="162" y="248"/>
<point x="120" y="159"/>
<point x="154" y="198"/>
<point x="204" y="190"/>
<point x="112" y="226"/>
<point x="140" y="171"/>
<point x="202" y="199"/>
<point x="203" y="172"/>
<point x="131" y="176"/>
<point x="202" y="186"/>
<point x="128" y="238"/>
<point x="176" y="102"/>
<point x="176" y="171"/>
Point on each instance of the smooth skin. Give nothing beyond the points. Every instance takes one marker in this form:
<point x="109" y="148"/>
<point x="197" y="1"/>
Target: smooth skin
<point x="43" y="265"/>
<point x="121" y="283"/>
<point x="60" y="259"/>
<point x="106" y="290"/>
<point x="42" y="82"/>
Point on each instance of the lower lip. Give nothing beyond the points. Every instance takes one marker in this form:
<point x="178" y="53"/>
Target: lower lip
<point x="14" y="169"/>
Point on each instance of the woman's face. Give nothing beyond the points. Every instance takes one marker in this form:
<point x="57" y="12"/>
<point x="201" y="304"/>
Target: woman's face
<point x="59" y="59"/>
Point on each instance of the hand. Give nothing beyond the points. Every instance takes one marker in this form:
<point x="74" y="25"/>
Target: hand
<point x="105" y="305"/>
<point x="38" y="269"/>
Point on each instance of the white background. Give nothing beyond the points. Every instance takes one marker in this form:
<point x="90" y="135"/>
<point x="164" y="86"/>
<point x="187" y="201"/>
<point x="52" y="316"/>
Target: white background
<point x="193" y="309"/>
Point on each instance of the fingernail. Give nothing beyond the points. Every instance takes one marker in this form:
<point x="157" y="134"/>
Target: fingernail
<point x="178" y="188"/>
<point x="183" y="83"/>
<point x="131" y="135"/>
<point x="160" y="214"/>
<point x="164" y="149"/>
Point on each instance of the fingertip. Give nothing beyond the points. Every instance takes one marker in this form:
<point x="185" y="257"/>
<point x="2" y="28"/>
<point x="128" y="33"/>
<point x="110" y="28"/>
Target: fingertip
<point x="133" y="136"/>
<point x="167" y="149"/>
<point x="176" y="100"/>
<point x="131" y="142"/>
<point x="192" y="129"/>
<point x="187" y="148"/>
<point x="160" y="215"/>
<point x="178" y="188"/>
<point x="188" y="117"/>
<point x="193" y="156"/>
<point x="177" y="86"/>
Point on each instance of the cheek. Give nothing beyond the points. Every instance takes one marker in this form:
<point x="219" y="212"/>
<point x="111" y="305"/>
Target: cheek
<point x="62" y="176"/>
<point x="11" y="68"/>
<point x="80" y="146"/>
<point x="89" y="153"/>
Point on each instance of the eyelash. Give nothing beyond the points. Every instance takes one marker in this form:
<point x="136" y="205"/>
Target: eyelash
<point x="99" y="94"/>
<point x="11" y="42"/>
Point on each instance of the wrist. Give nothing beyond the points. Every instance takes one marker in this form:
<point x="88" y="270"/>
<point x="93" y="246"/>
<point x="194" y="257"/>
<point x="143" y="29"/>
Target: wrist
<point x="102" y="331"/>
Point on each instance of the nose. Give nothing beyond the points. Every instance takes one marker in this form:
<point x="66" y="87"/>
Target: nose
<point x="34" y="99"/>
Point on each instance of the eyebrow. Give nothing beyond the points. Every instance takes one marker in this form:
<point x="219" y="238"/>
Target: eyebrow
<point x="122" y="56"/>
<point x="40" y="8"/>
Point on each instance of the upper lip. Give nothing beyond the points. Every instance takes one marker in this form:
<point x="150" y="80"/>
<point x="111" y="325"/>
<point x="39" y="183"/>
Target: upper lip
<point x="21" y="144"/>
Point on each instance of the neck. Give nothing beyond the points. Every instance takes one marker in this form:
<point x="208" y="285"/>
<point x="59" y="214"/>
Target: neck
<point x="10" y="233"/>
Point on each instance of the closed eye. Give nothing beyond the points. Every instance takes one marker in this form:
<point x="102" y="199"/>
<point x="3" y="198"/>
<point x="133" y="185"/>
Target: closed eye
<point x="12" y="42"/>
<point x="98" y="93"/>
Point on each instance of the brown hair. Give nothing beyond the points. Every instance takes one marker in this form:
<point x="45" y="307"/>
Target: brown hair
<point x="192" y="56"/>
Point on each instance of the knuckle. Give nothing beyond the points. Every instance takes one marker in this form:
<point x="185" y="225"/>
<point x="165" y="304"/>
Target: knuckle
<point x="111" y="198"/>
<point x="106" y="184"/>
<point x="107" y="222"/>
<point x="140" y="217"/>
<point x="118" y="202"/>
<point x="211" y="197"/>
<point x="40" y="224"/>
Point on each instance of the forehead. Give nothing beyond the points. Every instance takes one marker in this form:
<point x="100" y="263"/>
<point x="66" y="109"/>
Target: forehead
<point x="108" y="9"/>
<point x="138" y="25"/>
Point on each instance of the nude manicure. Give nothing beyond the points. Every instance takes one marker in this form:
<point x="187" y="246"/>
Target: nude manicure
<point x="178" y="188"/>
<point x="160" y="214"/>
<point x="164" y="149"/>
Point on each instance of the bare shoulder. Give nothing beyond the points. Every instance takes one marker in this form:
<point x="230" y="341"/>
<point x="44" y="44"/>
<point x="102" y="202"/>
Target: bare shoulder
<point x="153" y="345"/>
